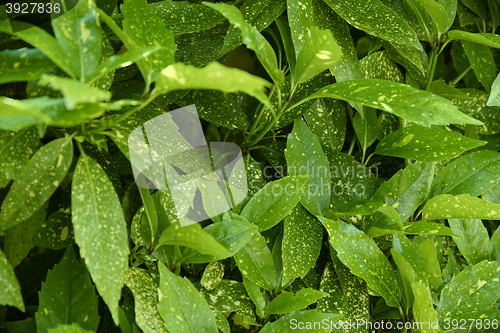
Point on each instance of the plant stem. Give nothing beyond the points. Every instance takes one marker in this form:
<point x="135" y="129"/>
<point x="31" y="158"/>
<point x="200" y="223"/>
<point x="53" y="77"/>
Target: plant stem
<point x="124" y="115"/>
<point x="460" y="76"/>
<point x="432" y="69"/>
<point x="261" y="108"/>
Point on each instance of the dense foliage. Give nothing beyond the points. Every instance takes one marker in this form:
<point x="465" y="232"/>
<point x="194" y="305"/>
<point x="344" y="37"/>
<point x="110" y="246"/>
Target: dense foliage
<point x="369" y="131"/>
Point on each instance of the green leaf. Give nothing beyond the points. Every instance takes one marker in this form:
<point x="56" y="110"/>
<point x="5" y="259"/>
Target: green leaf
<point x="462" y="206"/>
<point x="423" y="309"/>
<point x="18" y="114"/>
<point x="100" y="230"/>
<point x="320" y="52"/>
<point x="379" y="65"/>
<point x="425" y="144"/>
<point x="182" y="307"/>
<point x="364" y="258"/>
<point x="257" y="13"/>
<point x="478" y="7"/>
<point x="231" y="234"/>
<point x="376" y="19"/>
<point x="472" y="239"/>
<point x="407" y="189"/>
<point x="305" y="156"/>
<point x="79" y="33"/>
<point x="288" y="302"/>
<point x="145" y="293"/>
<point x="488" y="39"/>
<point x="145" y="28"/>
<point x="327" y="120"/>
<point x="439" y="87"/>
<point x="256" y="296"/>
<point x="73" y="328"/>
<point x="494" y="99"/>
<point x="300" y="19"/>
<point x="67" y="296"/>
<point x="195" y="237"/>
<point x="74" y="91"/>
<point x="255" y="262"/>
<point x="302" y="238"/>
<point x="288" y="43"/>
<point x="212" y="275"/>
<point x="427" y="228"/>
<point x="427" y="251"/>
<point x="16" y="150"/>
<point x="57" y="231"/>
<point x="403" y="246"/>
<point x="366" y="129"/>
<point x="301" y="322"/>
<point x="19" y="238"/>
<point x="182" y="17"/>
<point x="229" y="296"/>
<point x="415" y="61"/>
<point x="477" y="106"/>
<point x="476" y="288"/>
<point x="42" y="40"/>
<point x="179" y="76"/>
<point x="253" y="40"/>
<point x="438" y="14"/>
<point x="274" y="201"/>
<point x="217" y="107"/>
<point x="473" y="174"/>
<point x="36" y="183"/>
<point x="23" y="65"/>
<point x="151" y="211"/>
<point x="450" y="6"/>
<point x="418" y="106"/>
<point x="482" y="62"/>
<point x="11" y="294"/>
<point x="122" y="60"/>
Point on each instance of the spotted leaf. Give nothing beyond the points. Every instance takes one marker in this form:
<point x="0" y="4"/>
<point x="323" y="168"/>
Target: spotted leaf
<point x="231" y="234"/>
<point x="476" y="288"/>
<point x="274" y="201"/>
<point x="145" y="28"/>
<point x="423" y="308"/>
<point x="476" y="105"/>
<point x="67" y="296"/>
<point x="256" y="263"/>
<point x="294" y="320"/>
<point x="320" y="52"/>
<point x="418" y="106"/>
<point x="19" y="239"/>
<point x="462" y="206"/>
<point x="79" y="33"/>
<point x="100" y="230"/>
<point x="407" y="189"/>
<point x="23" y="65"/>
<point x="376" y="19"/>
<point x="253" y="39"/>
<point x="304" y="156"/>
<point x="472" y="239"/>
<point x="37" y="181"/>
<point x="181" y="306"/>
<point x="364" y="258"/>
<point x="425" y="144"/>
<point x="482" y="62"/>
<point x="212" y="275"/>
<point x="179" y="76"/>
<point x="473" y="174"/>
<point x="56" y="232"/>
<point x="17" y="147"/>
<point x="145" y="293"/>
<point x="288" y="302"/>
<point x="11" y="294"/>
